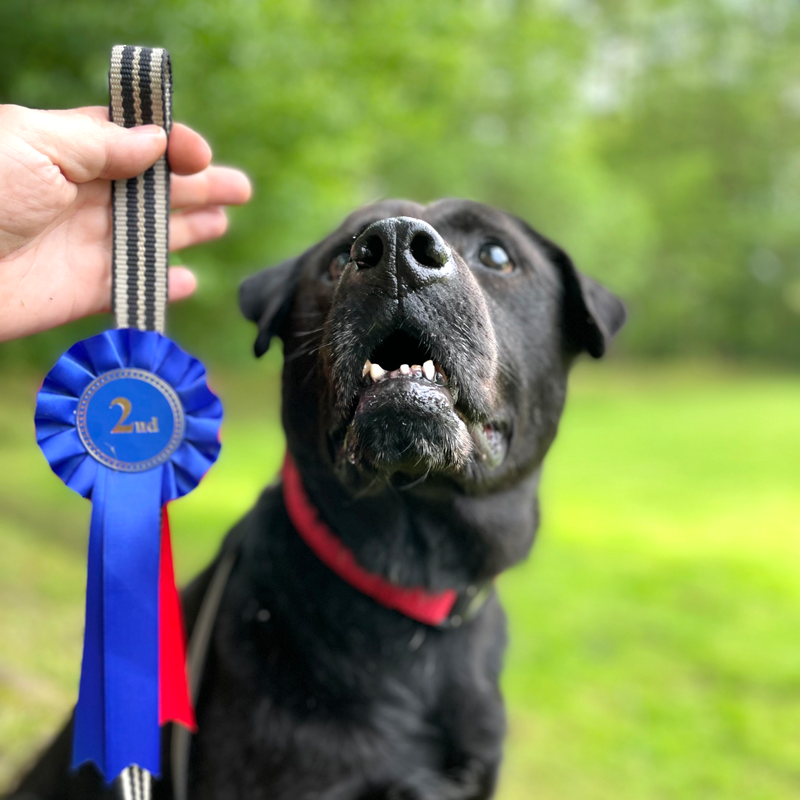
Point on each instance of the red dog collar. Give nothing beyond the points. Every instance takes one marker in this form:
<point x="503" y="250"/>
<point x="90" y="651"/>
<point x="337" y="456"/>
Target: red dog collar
<point x="447" y="608"/>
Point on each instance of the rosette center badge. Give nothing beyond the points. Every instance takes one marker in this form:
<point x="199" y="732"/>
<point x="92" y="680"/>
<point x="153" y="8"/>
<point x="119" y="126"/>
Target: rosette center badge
<point x="130" y="420"/>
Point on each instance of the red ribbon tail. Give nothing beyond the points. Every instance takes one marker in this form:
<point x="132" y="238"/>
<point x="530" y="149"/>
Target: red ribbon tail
<point x="175" y="703"/>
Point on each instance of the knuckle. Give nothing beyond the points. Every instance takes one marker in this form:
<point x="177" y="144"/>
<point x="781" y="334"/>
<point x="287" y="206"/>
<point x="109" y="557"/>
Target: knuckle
<point x="105" y="136"/>
<point x="18" y="122"/>
<point x="10" y="112"/>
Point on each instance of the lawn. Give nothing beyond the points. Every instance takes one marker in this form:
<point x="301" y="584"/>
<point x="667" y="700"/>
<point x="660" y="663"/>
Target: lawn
<point x="655" y="630"/>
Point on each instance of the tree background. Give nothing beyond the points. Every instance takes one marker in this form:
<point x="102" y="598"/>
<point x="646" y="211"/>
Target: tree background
<point x="657" y="140"/>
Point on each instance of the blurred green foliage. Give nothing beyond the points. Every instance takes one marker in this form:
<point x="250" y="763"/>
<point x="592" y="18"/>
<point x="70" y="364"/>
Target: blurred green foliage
<point x="656" y="139"/>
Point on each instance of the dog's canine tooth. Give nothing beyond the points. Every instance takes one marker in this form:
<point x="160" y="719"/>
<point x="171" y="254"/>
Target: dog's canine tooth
<point x="428" y="371"/>
<point x="405" y="369"/>
<point x="366" y="368"/>
<point x="376" y="372"/>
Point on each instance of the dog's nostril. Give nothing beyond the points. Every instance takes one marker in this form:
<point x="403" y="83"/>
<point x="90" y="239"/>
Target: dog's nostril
<point x="367" y="251"/>
<point x="428" y="251"/>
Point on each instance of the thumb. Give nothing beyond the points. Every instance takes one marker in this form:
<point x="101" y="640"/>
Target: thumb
<point x="85" y="146"/>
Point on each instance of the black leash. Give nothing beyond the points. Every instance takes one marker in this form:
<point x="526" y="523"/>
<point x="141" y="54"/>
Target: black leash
<point x="199" y="643"/>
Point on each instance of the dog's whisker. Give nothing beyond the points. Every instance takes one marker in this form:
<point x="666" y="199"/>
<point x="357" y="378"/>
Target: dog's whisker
<point x="416" y="482"/>
<point x="308" y="349"/>
<point x="308" y="333"/>
<point x="368" y="488"/>
<point x="309" y="375"/>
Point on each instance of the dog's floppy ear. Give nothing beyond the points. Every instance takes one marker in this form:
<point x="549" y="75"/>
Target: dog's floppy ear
<point x="266" y="297"/>
<point x="592" y="315"/>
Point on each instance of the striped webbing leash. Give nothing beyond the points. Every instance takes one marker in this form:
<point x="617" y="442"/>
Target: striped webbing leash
<point x="140" y="85"/>
<point x="140" y="82"/>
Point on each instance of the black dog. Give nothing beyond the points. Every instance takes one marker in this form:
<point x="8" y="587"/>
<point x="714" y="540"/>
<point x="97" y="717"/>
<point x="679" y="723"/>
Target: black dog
<point x="426" y="358"/>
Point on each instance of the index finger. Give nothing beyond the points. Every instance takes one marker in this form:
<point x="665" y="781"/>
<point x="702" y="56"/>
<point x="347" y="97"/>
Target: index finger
<point x="187" y="150"/>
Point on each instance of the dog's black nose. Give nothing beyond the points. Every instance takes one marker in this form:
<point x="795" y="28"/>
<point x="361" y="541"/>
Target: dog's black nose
<point x="410" y="249"/>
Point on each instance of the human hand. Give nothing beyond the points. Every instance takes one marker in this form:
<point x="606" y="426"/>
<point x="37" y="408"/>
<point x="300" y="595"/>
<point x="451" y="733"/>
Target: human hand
<point x="55" y="209"/>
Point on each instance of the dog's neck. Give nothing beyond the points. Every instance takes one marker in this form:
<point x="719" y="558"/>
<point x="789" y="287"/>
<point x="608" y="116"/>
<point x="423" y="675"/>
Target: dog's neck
<point x="433" y="535"/>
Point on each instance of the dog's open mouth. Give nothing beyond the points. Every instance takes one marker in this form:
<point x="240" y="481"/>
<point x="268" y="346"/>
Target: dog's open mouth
<point x="406" y="417"/>
<point x="402" y="357"/>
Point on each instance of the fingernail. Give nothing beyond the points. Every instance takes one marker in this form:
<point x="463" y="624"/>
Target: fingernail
<point x="147" y="130"/>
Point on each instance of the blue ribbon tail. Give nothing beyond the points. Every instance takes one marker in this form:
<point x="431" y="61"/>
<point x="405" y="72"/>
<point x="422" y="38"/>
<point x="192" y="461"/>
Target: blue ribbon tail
<point x="89" y="740"/>
<point x="116" y="719"/>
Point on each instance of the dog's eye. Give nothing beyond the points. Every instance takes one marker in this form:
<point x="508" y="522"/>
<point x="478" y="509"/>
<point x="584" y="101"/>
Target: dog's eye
<point x="338" y="263"/>
<point x="492" y="255"/>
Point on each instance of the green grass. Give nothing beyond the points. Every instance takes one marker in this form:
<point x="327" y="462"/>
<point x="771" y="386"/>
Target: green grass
<point x="655" y="630"/>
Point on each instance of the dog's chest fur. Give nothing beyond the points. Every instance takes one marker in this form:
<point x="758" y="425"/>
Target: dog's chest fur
<point x="313" y="690"/>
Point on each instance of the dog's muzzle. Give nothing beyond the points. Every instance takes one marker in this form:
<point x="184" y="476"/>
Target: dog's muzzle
<point x="411" y="352"/>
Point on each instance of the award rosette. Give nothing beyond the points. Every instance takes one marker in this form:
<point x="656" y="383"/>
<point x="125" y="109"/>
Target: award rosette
<point x="127" y="420"/>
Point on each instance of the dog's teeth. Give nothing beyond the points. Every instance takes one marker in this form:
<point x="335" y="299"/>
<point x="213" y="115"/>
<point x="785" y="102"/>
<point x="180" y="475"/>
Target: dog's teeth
<point x="376" y="372"/>
<point x="415" y="367"/>
<point x="405" y="369"/>
<point x="428" y="371"/>
<point x="366" y="369"/>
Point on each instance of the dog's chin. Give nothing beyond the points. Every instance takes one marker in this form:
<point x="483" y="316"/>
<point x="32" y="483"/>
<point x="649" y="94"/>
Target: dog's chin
<point x="406" y="427"/>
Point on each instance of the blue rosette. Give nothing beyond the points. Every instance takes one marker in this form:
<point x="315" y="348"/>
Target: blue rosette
<point x="126" y="419"/>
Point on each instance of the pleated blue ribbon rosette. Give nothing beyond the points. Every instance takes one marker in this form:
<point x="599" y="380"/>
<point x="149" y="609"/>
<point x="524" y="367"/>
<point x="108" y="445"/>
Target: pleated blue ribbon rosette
<point x="126" y="419"/>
